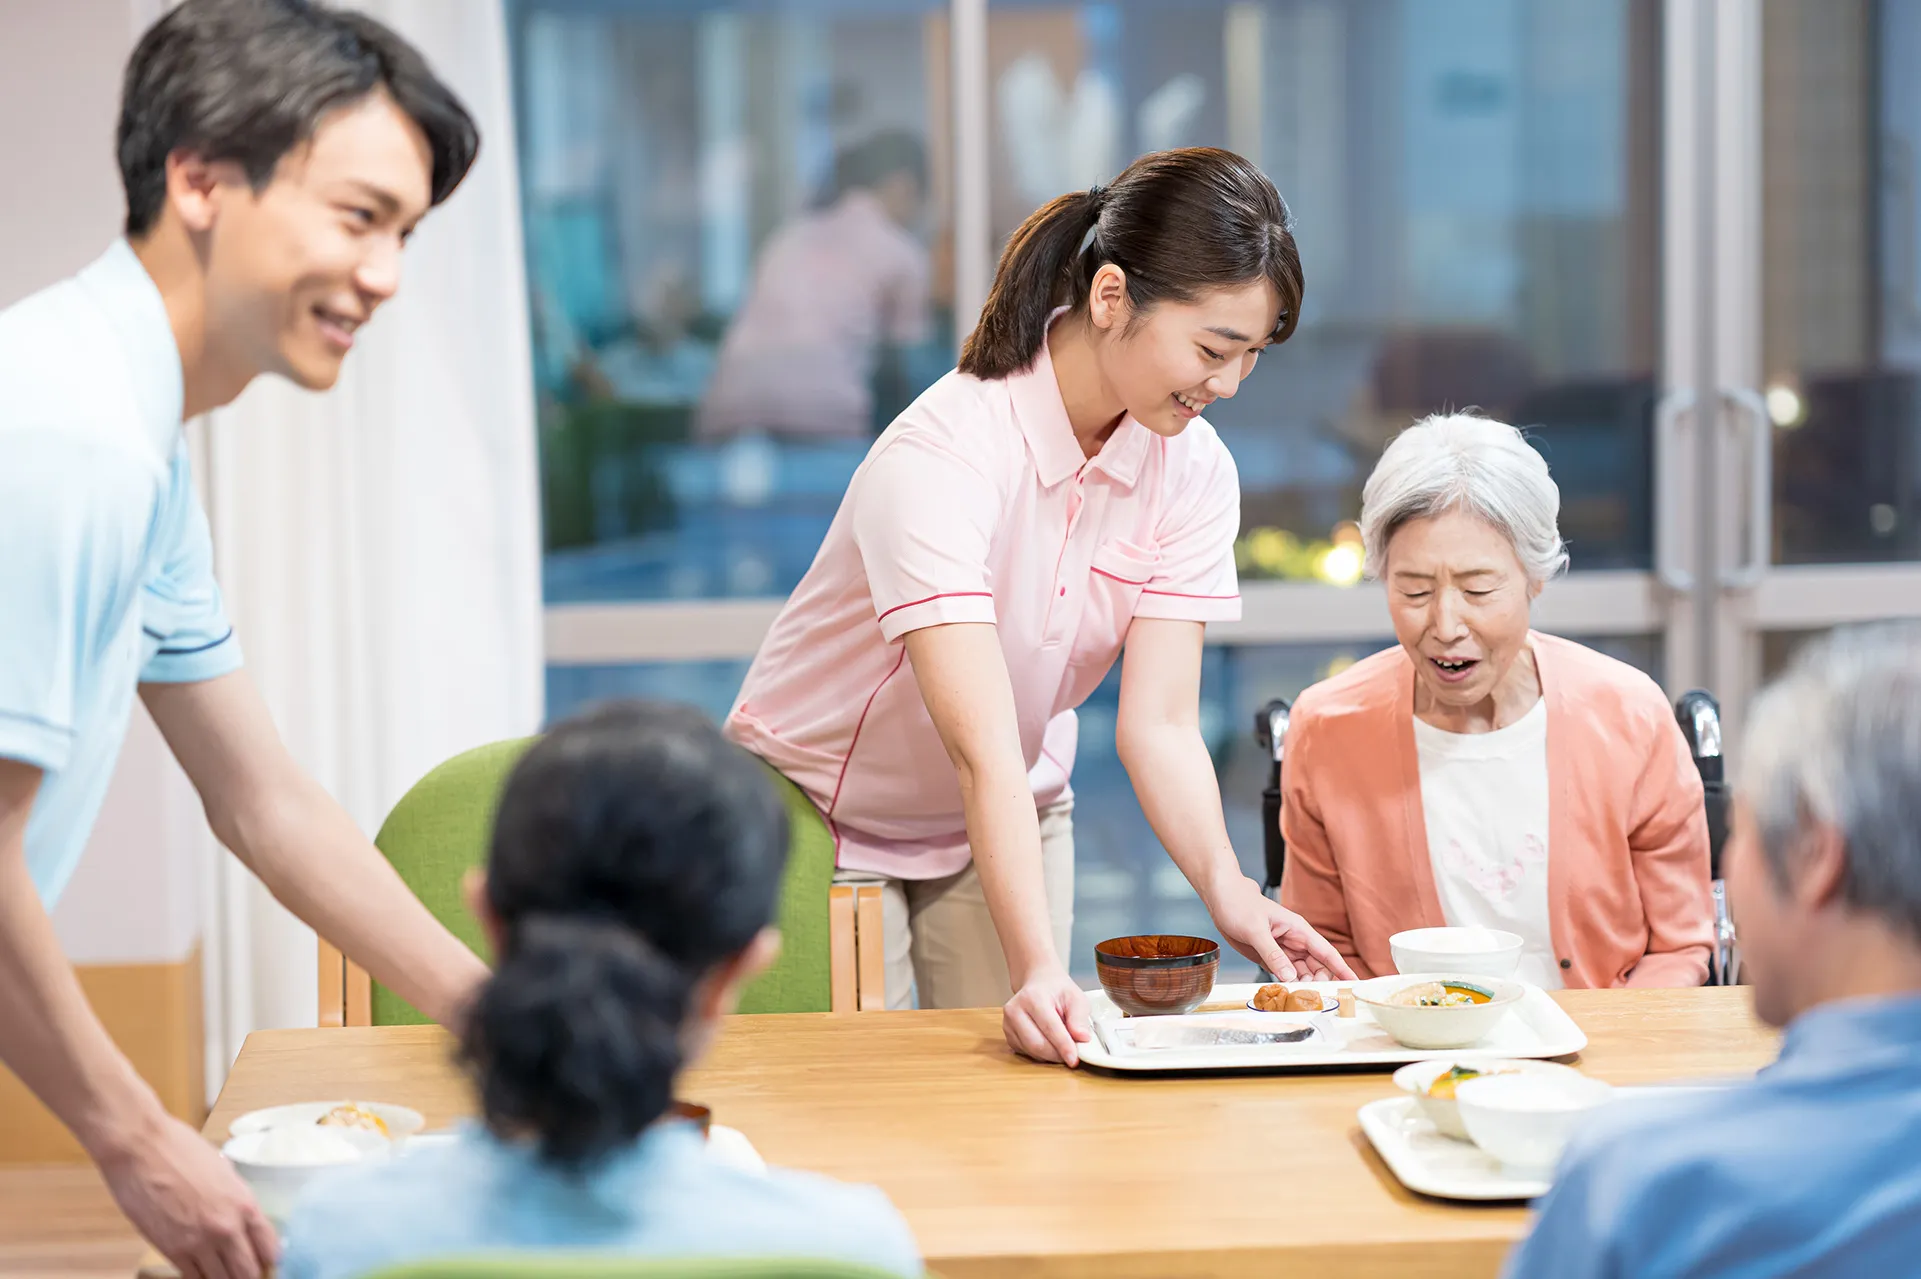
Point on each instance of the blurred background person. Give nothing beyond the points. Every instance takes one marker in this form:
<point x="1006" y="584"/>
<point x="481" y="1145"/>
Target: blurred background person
<point x="838" y="295"/>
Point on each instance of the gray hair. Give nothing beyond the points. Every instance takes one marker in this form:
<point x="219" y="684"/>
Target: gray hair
<point x="1836" y="742"/>
<point x="1459" y="461"/>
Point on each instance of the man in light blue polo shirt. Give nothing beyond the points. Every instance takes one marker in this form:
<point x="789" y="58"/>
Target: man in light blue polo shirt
<point x="276" y="156"/>
<point x="1814" y="1169"/>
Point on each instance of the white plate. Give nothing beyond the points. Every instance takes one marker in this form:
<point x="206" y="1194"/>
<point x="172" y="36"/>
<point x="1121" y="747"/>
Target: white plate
<point x="1534" y="1027"/>
<point x="401" y="1122"/>
<point x="1429" y="1164"/>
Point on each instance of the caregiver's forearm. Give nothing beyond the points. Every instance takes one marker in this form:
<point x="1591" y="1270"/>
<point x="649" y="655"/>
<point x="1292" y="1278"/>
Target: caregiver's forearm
<point x="49" y="1035"/>
<point x="304" y="847"/>
<point x="317" y="863"/>
<point x="1004" y="832"/>
<point x="1173" y="777"/>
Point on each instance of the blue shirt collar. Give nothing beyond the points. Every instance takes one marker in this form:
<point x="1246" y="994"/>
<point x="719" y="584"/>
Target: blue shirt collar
<point x="613" y="1180"/>
<point x="118" y="283"/>
<point x="1848" y="1035"/>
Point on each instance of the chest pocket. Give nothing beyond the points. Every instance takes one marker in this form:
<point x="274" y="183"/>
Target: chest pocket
<point x="1118" y="572"/>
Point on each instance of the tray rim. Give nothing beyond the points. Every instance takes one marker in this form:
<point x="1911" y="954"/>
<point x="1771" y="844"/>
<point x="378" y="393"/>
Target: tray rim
<point x="1534" y="1005"/>
<point x="1378" y="1119"/>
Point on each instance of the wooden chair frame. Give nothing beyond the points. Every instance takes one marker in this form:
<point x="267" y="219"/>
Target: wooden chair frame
<point x="857" y="963"/>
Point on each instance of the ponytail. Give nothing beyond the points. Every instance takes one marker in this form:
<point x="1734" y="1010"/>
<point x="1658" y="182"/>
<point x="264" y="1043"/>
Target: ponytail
<point x="1031" y="282"/>
<point x="575" y="1040"/>
<point x="1177" y="223"/>
<point x="635" y="852"/>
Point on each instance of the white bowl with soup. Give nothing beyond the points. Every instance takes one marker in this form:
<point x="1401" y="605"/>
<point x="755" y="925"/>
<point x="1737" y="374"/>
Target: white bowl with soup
<point x="1481" y="952"/>
<point x="1438" y="1010"/>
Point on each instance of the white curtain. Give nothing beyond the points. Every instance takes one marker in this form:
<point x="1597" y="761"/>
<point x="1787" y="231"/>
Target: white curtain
<point x="379" y="544"/>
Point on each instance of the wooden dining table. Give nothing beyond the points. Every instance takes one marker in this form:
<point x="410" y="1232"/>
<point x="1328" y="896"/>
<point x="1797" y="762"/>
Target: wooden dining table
<point x="1003" y="1166"/>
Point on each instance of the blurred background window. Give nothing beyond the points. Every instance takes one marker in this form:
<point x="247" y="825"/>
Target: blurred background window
<point x="755" y="229"/>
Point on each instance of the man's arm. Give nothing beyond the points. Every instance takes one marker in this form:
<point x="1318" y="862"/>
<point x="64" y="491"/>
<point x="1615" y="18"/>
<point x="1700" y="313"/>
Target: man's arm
<point x="304" y="847"/>
<point x="174" y="1187"/>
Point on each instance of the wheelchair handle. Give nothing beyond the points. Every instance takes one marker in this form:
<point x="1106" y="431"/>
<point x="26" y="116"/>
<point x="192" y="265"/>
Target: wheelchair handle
<point x="1700" y="718"/>
<point x="1270" y="727"/>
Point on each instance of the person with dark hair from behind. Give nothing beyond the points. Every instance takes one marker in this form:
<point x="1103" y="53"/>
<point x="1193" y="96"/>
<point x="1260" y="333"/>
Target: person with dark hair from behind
<point x="838" y="294"/>
<point x="630" y="892"/>
<point x="1810" y="1170"/>
<point x="276" y="155"/>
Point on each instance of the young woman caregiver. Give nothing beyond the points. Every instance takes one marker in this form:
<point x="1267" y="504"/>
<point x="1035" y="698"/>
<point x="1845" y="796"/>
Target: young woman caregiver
<point x="1056" y="496"/>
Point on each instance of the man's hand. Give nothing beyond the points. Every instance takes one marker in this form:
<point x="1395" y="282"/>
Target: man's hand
<point x="191" y="1205"/>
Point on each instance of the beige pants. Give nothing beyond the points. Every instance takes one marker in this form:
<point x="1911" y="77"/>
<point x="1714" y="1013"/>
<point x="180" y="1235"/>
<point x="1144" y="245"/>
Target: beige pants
<point x="941" y="943"/>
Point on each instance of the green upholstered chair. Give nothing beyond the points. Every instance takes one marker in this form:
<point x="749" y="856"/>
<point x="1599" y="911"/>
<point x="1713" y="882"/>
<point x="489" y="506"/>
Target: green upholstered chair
<point x="441" y="828"/>
<point x="535" y="1265"/>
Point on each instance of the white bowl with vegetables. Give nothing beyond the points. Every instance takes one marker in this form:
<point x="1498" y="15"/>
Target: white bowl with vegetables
<point x="1438" y="1010"/>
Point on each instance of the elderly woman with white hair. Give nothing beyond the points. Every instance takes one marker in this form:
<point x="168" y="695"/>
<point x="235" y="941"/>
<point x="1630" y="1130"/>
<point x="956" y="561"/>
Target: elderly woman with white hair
<point x="1481" y="773"/>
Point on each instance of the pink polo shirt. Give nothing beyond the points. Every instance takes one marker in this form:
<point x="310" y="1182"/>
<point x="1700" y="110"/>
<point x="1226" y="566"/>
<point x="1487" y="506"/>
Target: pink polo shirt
<point x="978" y="505"/>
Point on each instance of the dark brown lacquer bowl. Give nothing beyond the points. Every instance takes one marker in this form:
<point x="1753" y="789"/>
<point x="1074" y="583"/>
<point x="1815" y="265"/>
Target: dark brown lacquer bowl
<point x="1156" y="975"/>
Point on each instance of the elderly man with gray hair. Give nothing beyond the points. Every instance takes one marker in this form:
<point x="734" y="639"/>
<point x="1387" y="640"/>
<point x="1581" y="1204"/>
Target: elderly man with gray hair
<point x="1481" y="773"/>
<point x="1813" y="1168"/>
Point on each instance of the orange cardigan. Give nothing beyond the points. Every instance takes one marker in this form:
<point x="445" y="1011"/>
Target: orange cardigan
<point x="1629" y="902"/>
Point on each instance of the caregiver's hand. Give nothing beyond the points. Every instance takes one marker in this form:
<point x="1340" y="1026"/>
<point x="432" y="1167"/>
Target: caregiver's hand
<point x="1047" y="1017"/>
<point x="191" y="1205"/>
<point x="1274" y="937"/>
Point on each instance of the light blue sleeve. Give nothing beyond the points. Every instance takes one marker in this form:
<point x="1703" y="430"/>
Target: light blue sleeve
<point x="73" y="524"/>
<point x="884" y="1240"/>
<point x="181" y="607"/>
<point x="1574" y="1227"/>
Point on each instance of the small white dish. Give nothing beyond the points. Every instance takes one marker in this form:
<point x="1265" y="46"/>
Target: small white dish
<point x="1445" y="1112"/>
<point x="1457" y="1026"/>
<point x="1328" y="1005"/>
<point x="1480" y="952"/>
<point x="1525" y="1120"/>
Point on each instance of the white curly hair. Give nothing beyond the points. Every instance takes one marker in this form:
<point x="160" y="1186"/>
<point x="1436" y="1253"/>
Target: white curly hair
<point x="1461" y="461"/>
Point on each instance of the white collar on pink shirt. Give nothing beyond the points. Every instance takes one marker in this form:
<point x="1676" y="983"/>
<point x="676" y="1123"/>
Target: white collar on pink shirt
<point x="1057" y="453"/>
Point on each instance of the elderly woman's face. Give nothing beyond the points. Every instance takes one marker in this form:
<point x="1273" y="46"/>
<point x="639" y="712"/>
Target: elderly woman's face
<point x="1459" y="599"/>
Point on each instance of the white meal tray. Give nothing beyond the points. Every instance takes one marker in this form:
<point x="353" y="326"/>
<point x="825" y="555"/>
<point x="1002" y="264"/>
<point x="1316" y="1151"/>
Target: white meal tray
<point x="1535" y="1027"/>
<point x="1445" y="1168"/>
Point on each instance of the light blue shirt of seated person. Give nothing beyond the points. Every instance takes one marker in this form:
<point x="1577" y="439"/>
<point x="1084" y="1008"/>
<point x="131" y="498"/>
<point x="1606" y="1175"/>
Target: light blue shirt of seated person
<point x="662" y="1197"/>
<point x="106" y="567"/>
<point x="1812" y="1170"/>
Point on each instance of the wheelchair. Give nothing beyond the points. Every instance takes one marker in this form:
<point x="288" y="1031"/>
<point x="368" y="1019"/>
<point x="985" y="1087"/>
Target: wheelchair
<point x="1699" y="715"/>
